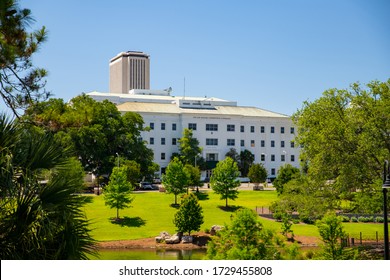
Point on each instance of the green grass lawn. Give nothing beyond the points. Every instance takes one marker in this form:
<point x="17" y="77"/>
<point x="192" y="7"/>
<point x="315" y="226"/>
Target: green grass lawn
<point x="151" y="213"/>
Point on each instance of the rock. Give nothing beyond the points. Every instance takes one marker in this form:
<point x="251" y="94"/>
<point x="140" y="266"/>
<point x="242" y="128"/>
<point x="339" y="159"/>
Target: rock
<point x="174" y="239"/>
<point x="159" y="239"/>
<point x="162" y="237"/>
<point x="214" y="229"/>
<point x="187" y="239"/>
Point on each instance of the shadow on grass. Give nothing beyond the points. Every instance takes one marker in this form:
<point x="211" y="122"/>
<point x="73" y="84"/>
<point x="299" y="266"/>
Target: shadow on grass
<point x="176" y="206"/>
<point x="202" y="195"/>
<point x="128" y="222"/>
<point x="232" y="208"/>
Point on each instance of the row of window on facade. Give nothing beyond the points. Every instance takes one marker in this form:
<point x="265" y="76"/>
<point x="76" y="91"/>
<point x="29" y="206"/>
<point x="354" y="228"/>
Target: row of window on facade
<point x="229" y="142"/>
<point x="214" y="157"/>
<point x="229" y="127"/>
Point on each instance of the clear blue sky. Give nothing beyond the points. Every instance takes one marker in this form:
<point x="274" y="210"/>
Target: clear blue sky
<point x="272" y="54"/>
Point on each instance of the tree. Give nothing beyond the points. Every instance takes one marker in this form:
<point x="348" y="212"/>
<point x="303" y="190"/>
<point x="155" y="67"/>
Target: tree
<point x="244" y="239"/>
<point x="193" y="176"/>
<point x="21" y="84"/>
<point x="285" y="174"/>
<point x="133" y="171"/>
<point x="175" y="178"/>
<point x="246" y="160"/>
<point x="117" y="192"/>
<point x="257" y="174"/>
<point x="189" y="217"/>
<point x="96" y="130"/>
<point x="344" y="138"/>
<point x="41" y="213"/>
<point x="189" y="148"/>
<point x="331" y="231"/>
<point x="224" y="180"/>
<point x="233" y="154"/>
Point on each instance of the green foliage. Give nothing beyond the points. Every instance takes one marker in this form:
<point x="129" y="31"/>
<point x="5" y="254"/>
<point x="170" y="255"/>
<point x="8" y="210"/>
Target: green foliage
<point x="286" y="173"/>
<point x="189" y="217"/>
<point x="345" y="140"/>
<point x="133" y="171"/>
<point x="246" y="160"/>
<point x="41" y="215"/>
<point x="117" y="192"/>
<point x="302" y="196"/>
<point x="96" y="130"/>
<point x="175" y="179"/>
<point x="224" y="181"/>
<point x="257" y="173"/>
<point x="232" y="153"/>
<point x="21" y="84"/>
<point x="244" y="239"/>
<point x="193" y="176"/>
<point x="189" y="148"/>
<point x="331" y="231"/>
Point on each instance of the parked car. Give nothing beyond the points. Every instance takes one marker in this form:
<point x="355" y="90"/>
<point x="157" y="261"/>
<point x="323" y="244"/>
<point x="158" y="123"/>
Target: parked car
<point x="146" y="186"/>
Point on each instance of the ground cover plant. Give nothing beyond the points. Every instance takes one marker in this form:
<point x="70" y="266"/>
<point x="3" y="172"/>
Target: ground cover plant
<point x="152" y="213"/>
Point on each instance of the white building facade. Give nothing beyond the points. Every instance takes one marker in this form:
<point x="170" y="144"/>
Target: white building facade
<point x="218" y="124"/>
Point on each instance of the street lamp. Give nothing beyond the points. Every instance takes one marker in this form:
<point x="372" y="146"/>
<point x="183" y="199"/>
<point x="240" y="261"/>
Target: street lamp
<point x="385" y="186"/>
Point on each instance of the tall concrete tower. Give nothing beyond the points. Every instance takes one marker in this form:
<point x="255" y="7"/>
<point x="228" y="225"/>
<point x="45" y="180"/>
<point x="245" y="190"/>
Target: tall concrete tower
<point x="129" y="70"/>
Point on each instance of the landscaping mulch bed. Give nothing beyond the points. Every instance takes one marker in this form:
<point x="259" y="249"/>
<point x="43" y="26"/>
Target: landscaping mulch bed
<point x="200" y="241"/>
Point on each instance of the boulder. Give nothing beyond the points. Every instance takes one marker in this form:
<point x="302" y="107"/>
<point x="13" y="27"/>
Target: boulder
<point x="162" y="237"/>
<point x="214" y="229"/>
<point x="174" y="239"/>
<point x="187" y="239"/>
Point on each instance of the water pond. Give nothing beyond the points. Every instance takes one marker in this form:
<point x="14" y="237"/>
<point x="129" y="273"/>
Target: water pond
<point x="150" y="254"/>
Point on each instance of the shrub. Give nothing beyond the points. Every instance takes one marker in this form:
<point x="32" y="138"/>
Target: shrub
<point x="345" y="219"/>
<point x="379" y="219"/>
<point x="354" y="219"/>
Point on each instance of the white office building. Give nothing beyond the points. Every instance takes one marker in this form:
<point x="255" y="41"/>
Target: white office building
<point x="218" y="124"/>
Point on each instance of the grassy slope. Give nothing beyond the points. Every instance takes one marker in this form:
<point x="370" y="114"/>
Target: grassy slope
<point x="151" y="213"/>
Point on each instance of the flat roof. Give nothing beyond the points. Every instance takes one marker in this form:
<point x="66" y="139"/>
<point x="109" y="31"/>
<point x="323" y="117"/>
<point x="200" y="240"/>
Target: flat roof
<point x="244" y="111"/>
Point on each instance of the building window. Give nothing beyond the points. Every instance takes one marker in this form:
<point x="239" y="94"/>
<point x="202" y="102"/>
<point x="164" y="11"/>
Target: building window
<point x="292" y="157"/>
<point x="211" y="157"/>
<point x="231" y="127"/>
<point x="282" y="157"/>
<point x="262" y="157"/>
<point x="262" y="143"/>
<point x="151" y="125"/>
<point x="162" y="141"/>
<point x="174" y="127"/>
<point x="252" y="128"/>
<point x="211" y="142"/>
<point x="272" y="144"/>
<point x="162" y="156"/>
<point x="262" y="129"/>
<point x="282" y="129"/>
<point x="162" y="126"/>
<point x="282" y="144"/>
<point x="272" y="129"/>
<point x="242" y="143"/>
<point x="273" y="172"/>
<point x="292" y="144"/>
<point x="292" y="130"/>
<point x="151" y="140"/>
<point x="272" y="157"/>
<point x="192" y="126"/>
<point x="174" y="141"/>
<point x="211" y="127"/>
<point x="252" y="143"/>
<point x="231" y="142"/>
<point x="242" y="128"/>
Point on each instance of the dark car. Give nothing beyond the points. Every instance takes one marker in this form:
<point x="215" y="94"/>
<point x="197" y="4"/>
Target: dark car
<point x="146" y="186"/>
